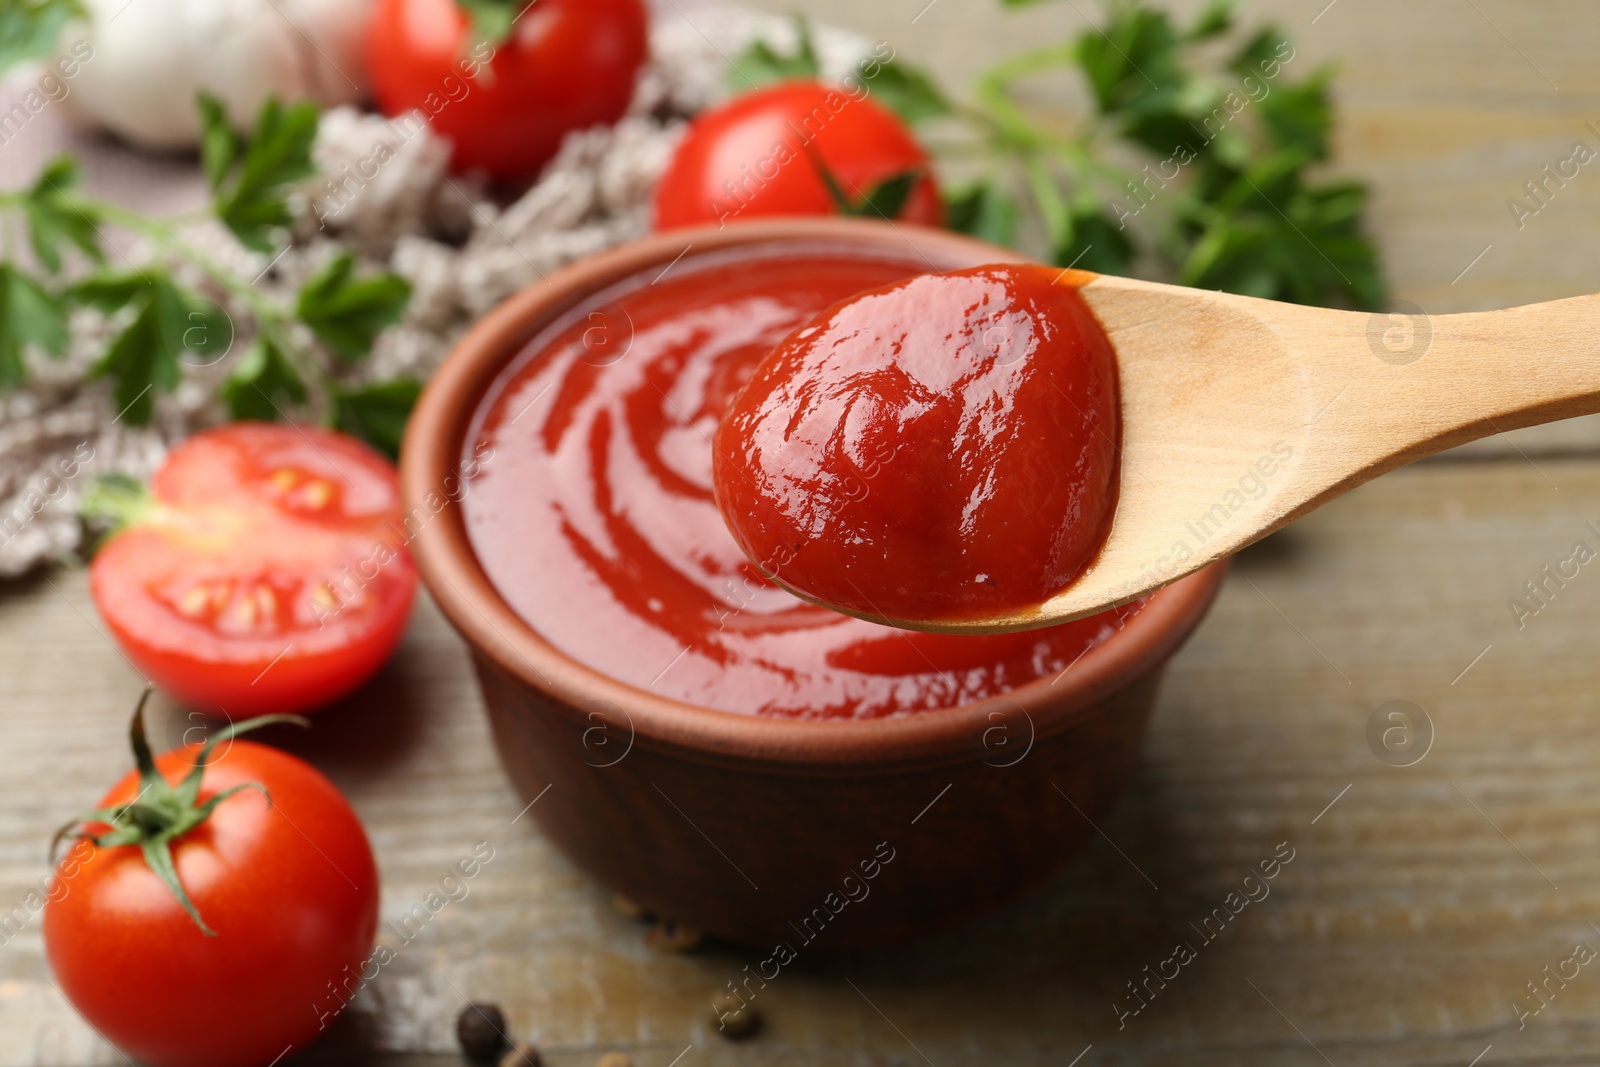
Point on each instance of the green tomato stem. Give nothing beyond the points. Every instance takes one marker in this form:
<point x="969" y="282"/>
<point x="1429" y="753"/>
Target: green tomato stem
<point x="163" y="812"/>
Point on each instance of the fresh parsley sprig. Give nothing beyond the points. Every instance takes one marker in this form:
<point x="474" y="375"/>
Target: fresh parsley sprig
<point x="250" y="184"/>
<point x="1225" y="192"/>
<point x="294" y="364"/>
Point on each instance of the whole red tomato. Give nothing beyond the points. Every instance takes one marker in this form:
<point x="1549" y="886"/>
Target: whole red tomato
<point x="287" y="889"/>
<point x="568" y="65"/>
<point x="770" y="152"/>
<point x="267" y="570"/>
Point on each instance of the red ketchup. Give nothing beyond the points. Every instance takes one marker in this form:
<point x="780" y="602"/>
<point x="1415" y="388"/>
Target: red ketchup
<point x="943" y="446"/>
<point x="592" y="512"/>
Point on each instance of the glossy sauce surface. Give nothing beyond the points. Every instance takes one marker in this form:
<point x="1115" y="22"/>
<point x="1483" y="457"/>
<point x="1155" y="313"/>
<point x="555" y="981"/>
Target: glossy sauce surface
<point x="592" y="511"/>
<point x="944" y="446"/>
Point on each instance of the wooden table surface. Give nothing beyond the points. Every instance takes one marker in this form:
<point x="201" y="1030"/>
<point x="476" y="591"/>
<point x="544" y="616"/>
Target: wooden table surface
<point x="1423" y="902"/>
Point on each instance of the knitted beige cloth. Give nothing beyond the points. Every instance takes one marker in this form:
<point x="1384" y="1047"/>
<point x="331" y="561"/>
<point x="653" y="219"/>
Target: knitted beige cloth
<point x="461" y="252"/>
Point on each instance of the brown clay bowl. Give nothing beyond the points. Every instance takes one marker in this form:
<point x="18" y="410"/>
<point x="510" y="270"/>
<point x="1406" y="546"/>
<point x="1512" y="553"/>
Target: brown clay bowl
<point x="820" y="836"/>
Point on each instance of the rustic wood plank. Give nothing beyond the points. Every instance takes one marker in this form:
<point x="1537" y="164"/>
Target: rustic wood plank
<point x="1413" y="912"/>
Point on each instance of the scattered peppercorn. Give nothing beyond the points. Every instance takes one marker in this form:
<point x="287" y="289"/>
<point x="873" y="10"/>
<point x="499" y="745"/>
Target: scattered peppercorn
<point x="613" y="1059"/>
<point x="481" y="1030"/>
<point x="669" y="936"/>
<point x="521" y="1056"/>
<point x="733" y="1017"/>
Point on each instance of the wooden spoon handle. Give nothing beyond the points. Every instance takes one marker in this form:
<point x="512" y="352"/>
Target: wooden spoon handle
<point x="1401" y="387"/>
<point x="1487" y="372"/>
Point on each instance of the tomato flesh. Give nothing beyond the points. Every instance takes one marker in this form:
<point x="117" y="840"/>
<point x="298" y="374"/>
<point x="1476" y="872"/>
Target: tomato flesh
<point x="939" y="447"/>
<point x="759" y="154"/>
<point x="568" y="65"/>
<point x="290" y="888"/>
<point x="269" y="574"/>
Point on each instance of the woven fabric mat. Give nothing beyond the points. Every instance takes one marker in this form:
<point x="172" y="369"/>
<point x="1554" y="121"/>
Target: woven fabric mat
<point x="462" y="251"/>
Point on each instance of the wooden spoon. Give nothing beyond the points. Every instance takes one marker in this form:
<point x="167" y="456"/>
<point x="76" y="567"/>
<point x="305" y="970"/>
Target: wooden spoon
<point x="1240" y="415"/>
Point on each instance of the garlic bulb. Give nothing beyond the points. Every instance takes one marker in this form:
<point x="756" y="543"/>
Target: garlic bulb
<point x="151" y="57"/>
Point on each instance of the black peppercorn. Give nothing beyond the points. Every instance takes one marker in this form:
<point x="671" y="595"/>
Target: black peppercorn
<point x="481" y="1030"/>
<point x="733" y="1017"/>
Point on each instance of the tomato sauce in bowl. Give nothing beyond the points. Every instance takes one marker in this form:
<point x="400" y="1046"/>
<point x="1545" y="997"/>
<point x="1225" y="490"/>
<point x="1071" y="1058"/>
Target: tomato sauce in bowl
<point x="594" y="517"/>
<point x="559" y="466"/>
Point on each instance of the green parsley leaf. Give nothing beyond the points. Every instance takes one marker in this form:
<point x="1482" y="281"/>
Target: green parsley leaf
<point x="141" y="363"/>
<point x="219" y="146"/>
<point x="1269" y="234"/>
<point x="1132" y="56"/>
<point x="56" y="218"/>
<point x="30" y="28"/>
<point x="1264" y="52"/>
<point x="109" y="291"/>
<point x="28" y="316"/>
<point x="377" y="413"/>
<point x="1135" y="67"/>
<point x="1080" y="234"/>
<point x="1215" y="20"/>
<point x="263" y="384"/>
<point x="761" y="64"/>
<point x="908" y="91"/>
<point x="169" y="323"/>
<point x="1094" y="242"/>
<point x="984" y="210"/>
<point x="1048" y="199"/>
<point x="1300" y="115"/>
<point x="347" y="313"/>
<point x="251" y="194"/>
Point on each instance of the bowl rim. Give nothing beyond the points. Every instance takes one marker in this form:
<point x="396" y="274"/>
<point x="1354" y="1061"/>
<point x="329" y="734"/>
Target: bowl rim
<point x="430" y="457"/>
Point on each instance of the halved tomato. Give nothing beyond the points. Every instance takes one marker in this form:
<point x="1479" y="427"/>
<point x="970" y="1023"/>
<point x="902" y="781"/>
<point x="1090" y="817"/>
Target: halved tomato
<point x="265" y="571"/>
